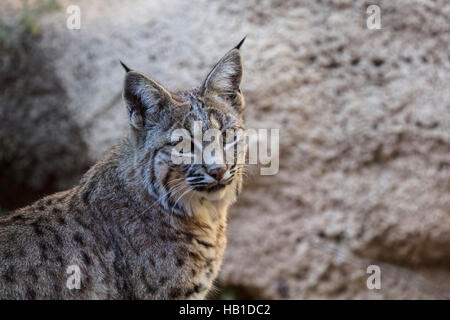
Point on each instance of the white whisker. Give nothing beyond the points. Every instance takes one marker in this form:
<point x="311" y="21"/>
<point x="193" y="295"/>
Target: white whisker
<point x="188" y="189"/>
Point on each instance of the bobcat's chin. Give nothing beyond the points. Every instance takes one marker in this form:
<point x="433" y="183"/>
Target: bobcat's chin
<point x="218" y="193"/>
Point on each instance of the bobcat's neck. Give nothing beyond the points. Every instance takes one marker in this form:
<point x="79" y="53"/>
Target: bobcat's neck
<point x="113" y="183"/>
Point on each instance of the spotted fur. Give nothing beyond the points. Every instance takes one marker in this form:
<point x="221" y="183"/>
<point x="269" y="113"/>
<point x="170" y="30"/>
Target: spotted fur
<point x="137" y="225"/>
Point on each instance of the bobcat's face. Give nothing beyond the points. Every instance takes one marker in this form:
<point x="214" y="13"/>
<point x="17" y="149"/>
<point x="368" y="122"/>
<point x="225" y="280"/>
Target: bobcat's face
<point x="189" y="144"/>
<point x="212" y="171"/>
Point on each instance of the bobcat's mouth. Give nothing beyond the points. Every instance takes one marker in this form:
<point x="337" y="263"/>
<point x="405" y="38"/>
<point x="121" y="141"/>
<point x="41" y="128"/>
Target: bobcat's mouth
<point x="213" y="188"/>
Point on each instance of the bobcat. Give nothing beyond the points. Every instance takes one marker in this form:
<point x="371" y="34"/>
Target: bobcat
<point x="137" y="226"/>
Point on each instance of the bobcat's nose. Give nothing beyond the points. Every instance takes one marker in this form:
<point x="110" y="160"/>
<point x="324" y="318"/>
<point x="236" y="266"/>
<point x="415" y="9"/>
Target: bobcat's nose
<point x="217" y="172"/>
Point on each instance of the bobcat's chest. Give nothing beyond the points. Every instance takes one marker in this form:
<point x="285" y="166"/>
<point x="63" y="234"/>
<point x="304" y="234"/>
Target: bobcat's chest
<point x="208" y="247"/>
<point x="184" y="265"/>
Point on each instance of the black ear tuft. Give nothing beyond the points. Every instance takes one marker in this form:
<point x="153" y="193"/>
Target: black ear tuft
<point x="241" y="42"/>
<point x="125" y="66"/>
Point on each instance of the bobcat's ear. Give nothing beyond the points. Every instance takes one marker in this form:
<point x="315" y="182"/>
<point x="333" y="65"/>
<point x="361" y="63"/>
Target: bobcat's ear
<point x="226" y="76"/>
<point x="144" y="98"/>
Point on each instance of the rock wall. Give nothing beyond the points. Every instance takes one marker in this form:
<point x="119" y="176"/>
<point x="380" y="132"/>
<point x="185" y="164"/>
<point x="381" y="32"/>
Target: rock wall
<point x="41" y="148"/>
<point x="364" y="118"/>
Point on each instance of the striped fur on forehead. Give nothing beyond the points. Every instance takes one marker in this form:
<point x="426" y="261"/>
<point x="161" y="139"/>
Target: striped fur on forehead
<point x="210" y="112"/>
<point x="210" y="118"/>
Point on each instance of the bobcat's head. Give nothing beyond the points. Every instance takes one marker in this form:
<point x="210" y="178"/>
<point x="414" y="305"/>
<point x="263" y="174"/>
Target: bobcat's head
<point x="158" y="115"/>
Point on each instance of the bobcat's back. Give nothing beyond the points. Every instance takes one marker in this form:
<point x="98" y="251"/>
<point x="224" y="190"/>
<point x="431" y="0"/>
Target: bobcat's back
<point x="121" y="249"/>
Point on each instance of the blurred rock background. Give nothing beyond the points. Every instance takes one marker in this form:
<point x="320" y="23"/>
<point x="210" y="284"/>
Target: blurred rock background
<point x="364" y="118"/>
